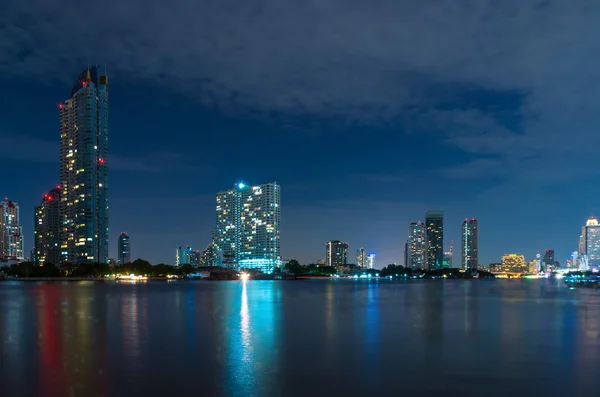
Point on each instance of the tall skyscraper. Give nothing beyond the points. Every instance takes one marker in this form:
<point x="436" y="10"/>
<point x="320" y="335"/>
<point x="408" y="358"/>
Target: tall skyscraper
<point x="195" y="258"/>
<point x="84" y="170"/>
<point x="417" y="246"/>
<point x="371" y="260"/>
<point x="360" y="257"/>
<point x="590" y="242"/>
<point x="336" y="253"/>
<point x="470" y="244"/>
<point x="124" y="249"/>
<point x="182" y="256"/>
<point x="434" y="220"/>
<point x="248" y="225"/>
<point x="47" y="229"/>
<point x="548" y="260"/>
<point x="11" y="231"/>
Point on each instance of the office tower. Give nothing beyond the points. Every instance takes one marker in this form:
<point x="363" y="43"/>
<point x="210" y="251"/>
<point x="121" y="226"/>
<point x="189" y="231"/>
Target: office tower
<point x="514" y="263"/>
<point x="11" y="231"/>
<point x="248" y="225"/>
<point x="84" y="170"/>
<point x="434" y="221"/>
<point x="210" y="257"/>
<point x="195" y="258"/>
<point x="495" y="267"/>
<point x="47" y="228"/>
<point x="182" y="256"/>
<point x="470" y="244"/>
<point x="336" y="253"/>
<point x="371" y="261"/>
<point x="548" y="260"/>
<point x="360" y="257"/>
<point x="417" y="245"/>
<point x="124" y="249"/>
<point x="590" y="243"/>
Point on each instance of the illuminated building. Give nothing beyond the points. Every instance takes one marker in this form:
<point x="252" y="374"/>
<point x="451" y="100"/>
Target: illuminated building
<point x="548" y="260"/>
<point x="361" y="259"/>
<point x="46" y="229"/>
<point x="11" y="231"/>
<point x="248" y="225"/>
<point x="514" y="263"/>
<point x="417" y="245"/>
<point x="182" y="256"/>
<point x="533" y="266"/>
<point x="84" y="170"/>
<point x="496" y="267"/>
<point x="590" y="243"/>
<point x="434" y="221"/>
<point x="448" y="256"/>
<point x="371" y="261"/>
<point x="210" y="257"/>
<point x="470" y="244"/>
<point x="195" y="258"/>
<point x="336" y="253"/>
<point x="124" y="249"/>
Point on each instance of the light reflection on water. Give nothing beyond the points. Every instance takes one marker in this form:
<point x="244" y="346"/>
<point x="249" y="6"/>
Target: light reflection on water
<point x="317" y="337"/>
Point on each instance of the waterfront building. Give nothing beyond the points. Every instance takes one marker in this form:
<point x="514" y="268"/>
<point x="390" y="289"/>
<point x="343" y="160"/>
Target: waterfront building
<point x="195" y="258"/>
<point x="417" y="245"/>
<point x="548" y="261"/>
<point x="371" y="261"/>
<point x="495" y="267"/>
<point x="182" y="256"/>
<point x="589" y="243"/>
<point x="124" y="249"/>
<point x="514" y="263"/>
<point x="46" y="229"/>
<point x="11" y="231"/>
<point x="533" y="267"/>
<point x="470" y="244"/>
<point x="84" y="170"/>
<point x="336" y="253"/>
<point x="434" y="221"/>
<point x="248" y="227"/>
<point x="361" y="259"/>
<point x="211" y="257"/>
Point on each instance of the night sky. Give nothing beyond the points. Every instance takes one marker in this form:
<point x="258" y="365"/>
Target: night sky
<point x="367" y="113"/>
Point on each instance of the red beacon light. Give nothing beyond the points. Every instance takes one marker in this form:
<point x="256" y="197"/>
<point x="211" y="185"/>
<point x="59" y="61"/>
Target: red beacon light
<point x="101" y="161"/>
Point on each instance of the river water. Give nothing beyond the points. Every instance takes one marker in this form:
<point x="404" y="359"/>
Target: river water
<point x="299" y="338"/>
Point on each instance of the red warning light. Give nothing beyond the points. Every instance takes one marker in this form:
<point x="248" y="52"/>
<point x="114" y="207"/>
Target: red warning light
<point x="58" y="186"/>
<point x="101" y="161"/>
<point x="83" y="83"/>
<point x="60" y="105"/>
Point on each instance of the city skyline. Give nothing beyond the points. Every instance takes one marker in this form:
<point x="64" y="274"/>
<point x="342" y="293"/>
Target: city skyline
<point x="471" y="131"/>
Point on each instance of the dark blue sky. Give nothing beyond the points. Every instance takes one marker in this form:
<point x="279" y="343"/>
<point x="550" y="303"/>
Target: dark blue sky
<point x="366" y="112"/>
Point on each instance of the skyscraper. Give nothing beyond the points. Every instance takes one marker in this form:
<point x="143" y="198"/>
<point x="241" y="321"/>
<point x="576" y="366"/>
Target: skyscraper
<point x="590" y="242"/>
<point x="548" y="260"/>
<point x="417" y="246"/>
<point x="11" y="231"/>
<point x="371" y="260"/>
<point x="84" y="170"/>
<point x="124" y="249"/>
<point x="434" y="221"/>
<point x="182" y="256"/>
<point x="360" y="257"/>
<point x="336" y="253"/>
<point x="248" y="224"/>
<point x="47" y="229"/>
<point x="470" y="244"/>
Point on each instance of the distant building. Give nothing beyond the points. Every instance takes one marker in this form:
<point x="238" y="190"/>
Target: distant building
<point x="548" y="260"/>
<point x="371" y="261"/>
<point x="336" y="253"/>
<point x="321" y="262"/>
<point x="361" y="258"/>
<point x="448" y="256"/>
<point x="248" y="226"/>
<point x="211" y="257"/>
<point x="590" y="242"/>
<point x="470" y="244"/>
<point x="495" y="267"/>
<point x="533" y="267"/>
<point x="514" y="263"/>
<point x="84" y="170"/>
<point x="124" y="249"/>
<point x="182" y="256"/>
<point x="417" y="246"/>
<point x="47" y="229"/>
<point x="11" y="231"/>
<point x="434" y="221"/>
<point x="195" y="258"/>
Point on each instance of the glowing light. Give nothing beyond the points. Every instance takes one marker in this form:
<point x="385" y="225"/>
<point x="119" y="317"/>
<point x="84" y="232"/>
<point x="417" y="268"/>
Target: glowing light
<point x="101" y="161"/>
<point x="241" y="185"/>
<point x="244" y="276"/>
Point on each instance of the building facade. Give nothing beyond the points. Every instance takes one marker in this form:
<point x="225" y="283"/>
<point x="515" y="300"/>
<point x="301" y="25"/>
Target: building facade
<point x="124" y="249"/>
<point x="360" y="257"/>
<point x="11" y="231"/>
<point x="182" y="255"/>
<point x="548" y="261"/>
<point x="590" y="243"/>
<point x="336" y="253"/>
<point x="84" y="170"/>
<point x="371" y="260"/>
<point x="470" y="244"/>
<point x="434" y="221"/>
<point x="47" y="229"/>
<point x="514" y="263"/>
<point x="417" y="246"/>
<point x="247" y="232"/>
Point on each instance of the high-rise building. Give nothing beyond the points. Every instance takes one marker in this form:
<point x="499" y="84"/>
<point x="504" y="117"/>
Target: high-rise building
<point x="514" y="263"/>
<point x="434" y="221"/>
<point x="470" y="244"/>
<point x="11" y="231"/>
<point x="548" y="260"/>
<point x="590" y="242"/>
<point x="210" y="257"/>
<point x="124" y="249"/>
<point x="195" y="258"/>
<point x="371" y="260"/>
<point x="361" y="259"/>
<point x="248" y="225"/>
<point x="84" y="170"/>
<point x="47" y="228"/>
<point x="336" y="253"/>
<point x="182" y="256"/>
<point x="417" y="245"/>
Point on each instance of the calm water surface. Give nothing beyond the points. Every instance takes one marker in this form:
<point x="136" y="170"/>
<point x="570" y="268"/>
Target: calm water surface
<point x="304" y="338"/>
